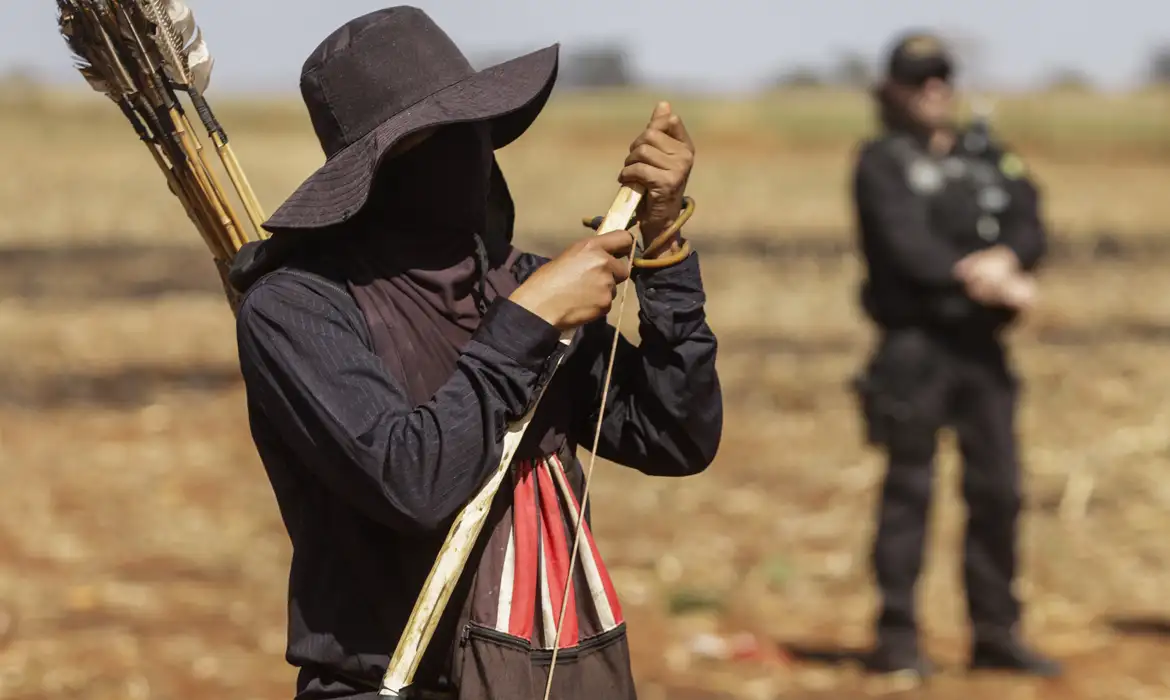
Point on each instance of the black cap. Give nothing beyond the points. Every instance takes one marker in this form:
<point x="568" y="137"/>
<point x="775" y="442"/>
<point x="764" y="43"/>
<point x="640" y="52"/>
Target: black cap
<point x="917" y="57"/>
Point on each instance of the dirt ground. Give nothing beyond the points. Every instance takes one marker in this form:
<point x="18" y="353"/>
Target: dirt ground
<point x="142" y="556"/>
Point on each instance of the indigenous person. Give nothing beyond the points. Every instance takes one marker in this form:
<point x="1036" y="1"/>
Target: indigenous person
<point x="389" y="333"/>
<point x="951" y="233"/>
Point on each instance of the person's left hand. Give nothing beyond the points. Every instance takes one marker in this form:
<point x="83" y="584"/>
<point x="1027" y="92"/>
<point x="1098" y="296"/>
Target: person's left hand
<point x="660" y="161"/>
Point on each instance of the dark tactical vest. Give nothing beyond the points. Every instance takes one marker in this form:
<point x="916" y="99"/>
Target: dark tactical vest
<point x="498" y="645"/>
<point x="967" y="194"/>
<point x="967" y="190"/>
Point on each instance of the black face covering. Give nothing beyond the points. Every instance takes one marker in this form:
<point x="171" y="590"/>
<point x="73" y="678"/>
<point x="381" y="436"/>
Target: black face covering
<point x="438" y="189"/>
<point x="439" y="212"/>
<point x="422" y="231"/>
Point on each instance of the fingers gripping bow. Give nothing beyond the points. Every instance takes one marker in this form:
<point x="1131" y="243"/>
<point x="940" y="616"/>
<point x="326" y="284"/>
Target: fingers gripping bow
<point x="648" y="258"/>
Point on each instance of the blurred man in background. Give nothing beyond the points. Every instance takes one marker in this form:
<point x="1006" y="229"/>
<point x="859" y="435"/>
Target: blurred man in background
<point x="950" y="229"/>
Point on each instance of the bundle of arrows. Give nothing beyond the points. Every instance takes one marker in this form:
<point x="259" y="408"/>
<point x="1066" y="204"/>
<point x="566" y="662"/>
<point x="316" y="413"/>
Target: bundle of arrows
<point x="143" y="55"/>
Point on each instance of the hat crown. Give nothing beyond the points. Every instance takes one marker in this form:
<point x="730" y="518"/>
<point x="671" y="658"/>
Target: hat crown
<point x="919" y="55"/>
<point x="373" y="68"/>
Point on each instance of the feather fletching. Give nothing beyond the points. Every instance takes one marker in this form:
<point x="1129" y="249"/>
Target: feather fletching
<point x="72" y="27"/>
<point x="145" y="55"/>
<point x="180" y="42"/>
<point x="190" y="37"/>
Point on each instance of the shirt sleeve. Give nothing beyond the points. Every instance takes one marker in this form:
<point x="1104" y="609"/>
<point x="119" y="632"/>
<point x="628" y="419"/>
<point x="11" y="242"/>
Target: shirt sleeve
<point x="664" y="412"/>
<point x="1023" y="228"/>
<point x="307" y="366"/>
<point x="901" y="225"/>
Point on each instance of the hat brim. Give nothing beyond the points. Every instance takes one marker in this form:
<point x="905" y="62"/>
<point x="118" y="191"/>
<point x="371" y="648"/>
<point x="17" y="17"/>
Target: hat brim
<point x="510" y="95"/>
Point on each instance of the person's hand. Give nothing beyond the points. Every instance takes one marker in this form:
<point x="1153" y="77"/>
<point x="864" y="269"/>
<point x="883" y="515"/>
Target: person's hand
<point x="1019" y="293"/>
<point x="989" y="267"/>
<point x="993" y="277"/>
<point x="660" y="161"/>
<point x="578" y="286"/>
<point x="984" y="284"/>
<point x="1016" y="291"/>
<point x="989" y="276"/>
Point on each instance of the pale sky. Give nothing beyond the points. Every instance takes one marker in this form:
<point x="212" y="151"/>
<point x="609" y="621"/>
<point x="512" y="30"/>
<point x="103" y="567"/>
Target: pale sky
<point x="721" y="45"/>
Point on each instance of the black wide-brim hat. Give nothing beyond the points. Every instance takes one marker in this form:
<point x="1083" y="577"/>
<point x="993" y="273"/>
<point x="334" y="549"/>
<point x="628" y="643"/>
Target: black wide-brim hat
<point x="385" y="76"/>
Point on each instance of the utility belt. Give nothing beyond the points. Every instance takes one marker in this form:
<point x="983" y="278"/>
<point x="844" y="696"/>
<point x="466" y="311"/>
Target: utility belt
<point x="906" y="360"/>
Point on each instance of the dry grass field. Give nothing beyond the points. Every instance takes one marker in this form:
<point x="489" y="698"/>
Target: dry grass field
<point x="142" y="556"/>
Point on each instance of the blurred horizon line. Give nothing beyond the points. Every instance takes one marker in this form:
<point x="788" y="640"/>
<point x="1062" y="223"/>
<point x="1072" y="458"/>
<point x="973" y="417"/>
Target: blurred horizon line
<point x="609" y="64"/>
<point x="63" y="83"/>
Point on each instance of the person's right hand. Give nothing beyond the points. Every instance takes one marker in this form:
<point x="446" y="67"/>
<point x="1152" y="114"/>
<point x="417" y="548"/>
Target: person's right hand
<point x="579" y="285"/>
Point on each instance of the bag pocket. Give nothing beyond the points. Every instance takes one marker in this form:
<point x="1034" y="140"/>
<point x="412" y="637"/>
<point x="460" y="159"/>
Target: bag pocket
<point x="491" y="665"/>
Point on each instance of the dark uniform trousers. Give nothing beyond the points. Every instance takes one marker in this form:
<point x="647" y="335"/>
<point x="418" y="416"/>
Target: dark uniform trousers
<point x="930" y="380"/>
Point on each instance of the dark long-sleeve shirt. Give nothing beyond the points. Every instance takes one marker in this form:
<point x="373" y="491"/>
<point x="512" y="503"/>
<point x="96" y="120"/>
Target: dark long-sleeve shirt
<point x="359" y="472"/>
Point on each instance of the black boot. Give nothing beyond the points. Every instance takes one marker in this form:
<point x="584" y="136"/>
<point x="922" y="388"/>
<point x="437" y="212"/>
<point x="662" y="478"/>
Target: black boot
<point x="1013" y="656"/>
<point x="898" y="658"/>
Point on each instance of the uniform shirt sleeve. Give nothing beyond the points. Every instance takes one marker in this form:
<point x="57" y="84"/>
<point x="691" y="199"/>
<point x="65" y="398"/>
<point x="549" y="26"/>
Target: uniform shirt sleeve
<point x="664" y="413"/>
<point x="900" y="221"/>
<point x="306" y="364"/>
<point x="1023" y="227"/>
